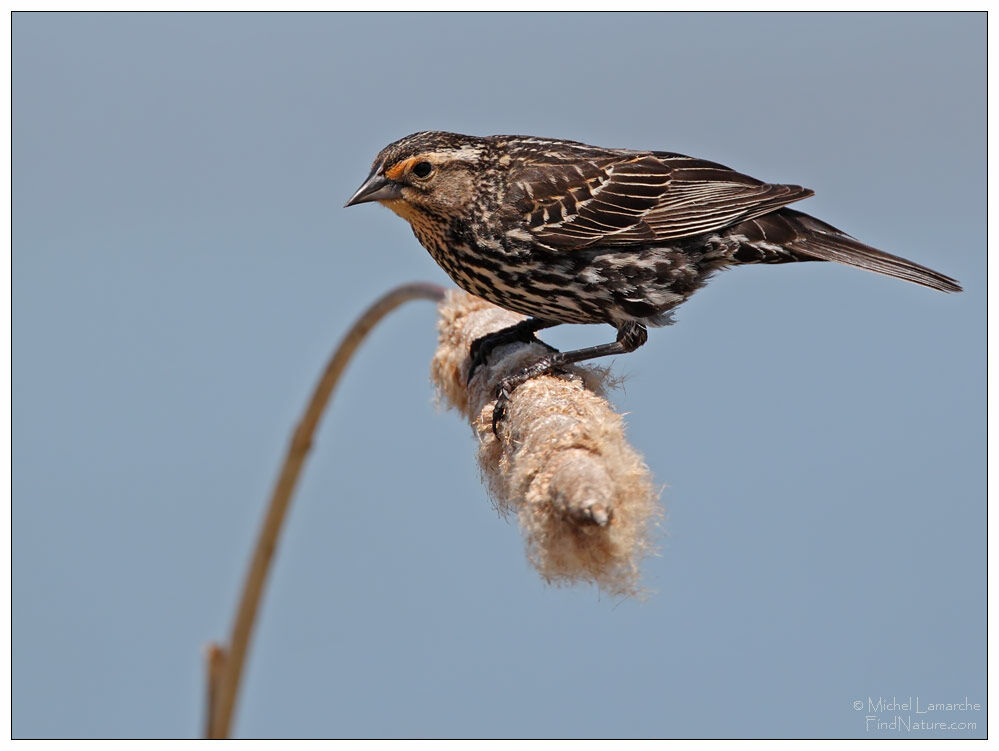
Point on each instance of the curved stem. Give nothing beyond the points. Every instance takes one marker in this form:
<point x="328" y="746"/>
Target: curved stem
<point x="226" y="665"/>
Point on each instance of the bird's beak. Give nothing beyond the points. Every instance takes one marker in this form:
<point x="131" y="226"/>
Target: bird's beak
<point x="376" y="188"/>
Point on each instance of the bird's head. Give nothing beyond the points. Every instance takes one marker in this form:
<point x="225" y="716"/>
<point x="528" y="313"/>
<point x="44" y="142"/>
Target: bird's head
<point x="428" y="173"/>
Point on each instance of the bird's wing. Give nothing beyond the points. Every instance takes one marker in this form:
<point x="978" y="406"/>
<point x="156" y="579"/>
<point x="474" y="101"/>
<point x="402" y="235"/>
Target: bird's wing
<point x="647" y="197"/>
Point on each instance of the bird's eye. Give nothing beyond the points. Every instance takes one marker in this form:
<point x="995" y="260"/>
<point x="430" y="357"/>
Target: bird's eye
<point x="423" y="169"/>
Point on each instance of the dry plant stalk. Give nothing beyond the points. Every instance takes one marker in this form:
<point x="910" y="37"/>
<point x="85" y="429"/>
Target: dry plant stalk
<point x="225" y="664"/>
<point x="583" y="497"/>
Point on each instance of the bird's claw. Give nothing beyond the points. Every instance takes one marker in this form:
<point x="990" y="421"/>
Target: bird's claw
<point x="503" y="391"/>
<point x="483" y="347"/>
<point x="506" y="388"/>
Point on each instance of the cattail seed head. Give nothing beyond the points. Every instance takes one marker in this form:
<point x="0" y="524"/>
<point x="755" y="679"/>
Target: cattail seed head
<point x="583" y="497"/>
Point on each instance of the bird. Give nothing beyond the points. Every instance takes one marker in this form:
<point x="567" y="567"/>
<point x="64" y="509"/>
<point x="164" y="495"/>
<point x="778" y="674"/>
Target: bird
<point x="564" y="232"/>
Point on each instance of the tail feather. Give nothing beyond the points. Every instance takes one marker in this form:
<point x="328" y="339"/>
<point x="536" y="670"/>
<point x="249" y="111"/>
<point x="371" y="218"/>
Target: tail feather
<point x="826" y="243"/>
<point x="790" y="235"/>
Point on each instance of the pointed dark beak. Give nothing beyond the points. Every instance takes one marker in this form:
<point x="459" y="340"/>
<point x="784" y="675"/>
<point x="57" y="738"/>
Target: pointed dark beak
<point x="376" y="188"/>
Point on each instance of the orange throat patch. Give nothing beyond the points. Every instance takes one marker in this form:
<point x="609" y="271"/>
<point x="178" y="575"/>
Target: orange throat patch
<point x="422" y="224"/>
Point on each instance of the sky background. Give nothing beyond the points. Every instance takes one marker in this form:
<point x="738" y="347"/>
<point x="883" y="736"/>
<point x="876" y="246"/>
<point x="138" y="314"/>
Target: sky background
<point x="182" y="267"/>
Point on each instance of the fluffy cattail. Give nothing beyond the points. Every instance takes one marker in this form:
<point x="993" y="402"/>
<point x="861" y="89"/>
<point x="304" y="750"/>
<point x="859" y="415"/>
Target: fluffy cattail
<point x="583" y="497"/>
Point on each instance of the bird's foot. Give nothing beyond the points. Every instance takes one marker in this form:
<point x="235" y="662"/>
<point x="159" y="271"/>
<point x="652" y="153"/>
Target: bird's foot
<point x="483" y="346"/>
<point x="547" y="366"/>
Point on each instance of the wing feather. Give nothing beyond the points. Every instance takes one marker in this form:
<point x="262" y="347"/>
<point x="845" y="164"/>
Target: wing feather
<point x="625" y="198"/>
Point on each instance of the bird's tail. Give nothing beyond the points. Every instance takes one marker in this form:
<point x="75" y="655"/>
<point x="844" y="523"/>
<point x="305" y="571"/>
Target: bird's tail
<point x="804" y="238"/>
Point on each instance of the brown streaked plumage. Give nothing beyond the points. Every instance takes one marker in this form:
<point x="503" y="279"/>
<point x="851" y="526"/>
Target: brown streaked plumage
<point x="569" y="233"/>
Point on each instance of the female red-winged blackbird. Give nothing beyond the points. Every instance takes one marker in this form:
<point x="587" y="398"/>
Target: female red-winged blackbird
<point x="569" y="233"/>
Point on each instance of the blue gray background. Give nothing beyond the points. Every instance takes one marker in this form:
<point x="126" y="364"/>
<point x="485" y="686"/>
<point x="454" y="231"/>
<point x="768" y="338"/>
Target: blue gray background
<point x="182" y="267"/>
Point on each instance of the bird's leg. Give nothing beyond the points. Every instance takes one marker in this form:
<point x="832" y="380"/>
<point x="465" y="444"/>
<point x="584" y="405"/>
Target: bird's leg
<point x="520" y="332"/>
<point x="630" y="336"/>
